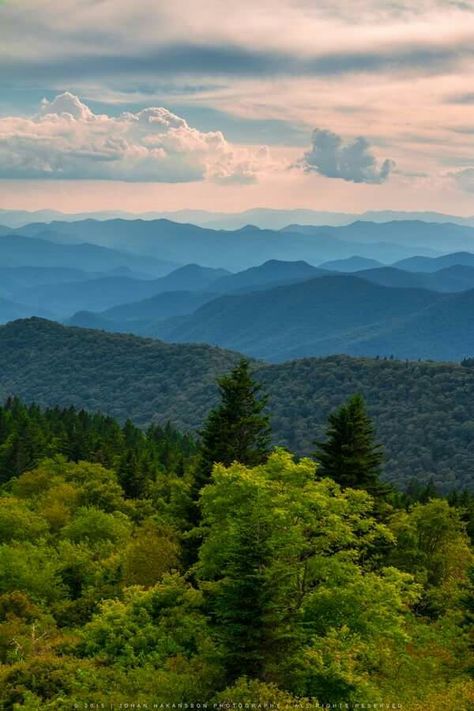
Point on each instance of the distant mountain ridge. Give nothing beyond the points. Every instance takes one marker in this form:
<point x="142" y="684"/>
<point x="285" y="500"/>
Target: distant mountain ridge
<point x="249" y="246"/>
<point x="271" y="273"/>
<point x="310" y="318"/>
<point x="142" y="317"/>
<point x="262" y="217"/>
<point x="19" y="251"/>
<point x="433" y="264"/>
<point x="445" y="237"/>
<point x="108" y="291"/>
<point x="281" y="310"/>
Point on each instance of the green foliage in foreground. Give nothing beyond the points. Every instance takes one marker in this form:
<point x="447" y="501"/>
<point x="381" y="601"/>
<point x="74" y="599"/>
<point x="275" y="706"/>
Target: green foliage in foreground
<point x="128" y="578"/>
<point x="298" y="592"/>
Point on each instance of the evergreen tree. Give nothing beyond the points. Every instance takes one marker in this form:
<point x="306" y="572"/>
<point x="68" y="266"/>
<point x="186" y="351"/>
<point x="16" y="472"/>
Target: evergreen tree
<point x="350" y="454"/>
<point x="238" y="429"/>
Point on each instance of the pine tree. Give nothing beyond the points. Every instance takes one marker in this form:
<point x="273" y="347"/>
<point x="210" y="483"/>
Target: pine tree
<point x="238" y="429"/>
<point x="350" y="454"/>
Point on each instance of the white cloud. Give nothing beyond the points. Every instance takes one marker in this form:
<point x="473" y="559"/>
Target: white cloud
<point x="352" y="161"/>
<point x="67" y="140"/>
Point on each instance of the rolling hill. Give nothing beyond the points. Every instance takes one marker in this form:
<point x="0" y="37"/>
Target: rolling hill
<point x="105" y="292"/>
<point x="443" y="331"/>
<point x="434" y="264"/>
<point x="424" y="412"/>
<point x="316" y="317"/>
<point x="449" y="279"/>
<point x="20" y="251"/>
<point x="271" y="273"/>
<point x="14" y="280"/>
<point x="141" y="317"/>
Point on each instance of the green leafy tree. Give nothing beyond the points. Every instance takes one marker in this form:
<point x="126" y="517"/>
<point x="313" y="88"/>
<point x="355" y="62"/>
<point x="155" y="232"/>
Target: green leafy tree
<point x="271" y="535"/>
<point x="432" y="544"/>
<point x="350" y="454"/>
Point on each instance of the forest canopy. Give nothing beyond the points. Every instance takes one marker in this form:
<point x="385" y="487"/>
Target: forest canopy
<point x="123" y="581"/>
<point x="423" y="412"/>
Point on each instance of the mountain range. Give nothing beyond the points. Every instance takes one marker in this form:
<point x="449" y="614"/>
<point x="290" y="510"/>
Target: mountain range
<point x="330" y="314"/>
<point x="125" y="276"/>
<point x="107" y="291"/>
<point x="262" y="217"/>
<point x="249" y="246"/>
<point x="19" y="250"/>
<point x="285" y="310"/>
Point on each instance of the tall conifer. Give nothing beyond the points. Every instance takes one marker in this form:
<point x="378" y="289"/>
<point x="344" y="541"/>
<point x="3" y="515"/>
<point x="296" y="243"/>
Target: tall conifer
<point x="238" y="429"/>
<point x="350" y="454"/>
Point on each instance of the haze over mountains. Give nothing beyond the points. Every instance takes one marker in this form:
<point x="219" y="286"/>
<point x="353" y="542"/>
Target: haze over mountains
<point x="250" y="246"/>
<point x="401" y="288"/>
<point x="262" y="217"/>
<point x="335" y="314"/>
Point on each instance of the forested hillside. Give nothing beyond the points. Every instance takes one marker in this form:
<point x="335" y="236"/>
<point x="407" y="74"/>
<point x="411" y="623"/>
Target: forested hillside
<point x="135" y="571"/>
<point x="424" y="412"/>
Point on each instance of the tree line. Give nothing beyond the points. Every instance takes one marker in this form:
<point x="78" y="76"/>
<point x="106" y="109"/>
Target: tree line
<point x="151" y="566"/>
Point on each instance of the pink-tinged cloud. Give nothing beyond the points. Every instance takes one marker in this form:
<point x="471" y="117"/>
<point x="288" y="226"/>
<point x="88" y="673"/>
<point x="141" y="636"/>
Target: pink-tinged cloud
<point x="66" y="140"/>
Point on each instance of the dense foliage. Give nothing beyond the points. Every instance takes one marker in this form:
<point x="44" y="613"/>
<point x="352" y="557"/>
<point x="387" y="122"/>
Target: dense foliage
<point x="29" y="435"/>
<point x="423" y="412"/>
<point x="298" y="591"/>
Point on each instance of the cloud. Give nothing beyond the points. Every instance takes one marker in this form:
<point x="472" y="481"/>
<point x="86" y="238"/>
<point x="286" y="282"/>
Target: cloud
<point x="118" y="41"/>
<point x="465" y="179"/>
<point x="66" y="140"/>
<point x="186" y="59"/>
<point x="351" y="161"/>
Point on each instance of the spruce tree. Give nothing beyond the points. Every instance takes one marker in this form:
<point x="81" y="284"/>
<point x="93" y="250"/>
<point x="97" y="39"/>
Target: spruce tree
<point x="350" y="454"/>
<point x="238" y="429"/>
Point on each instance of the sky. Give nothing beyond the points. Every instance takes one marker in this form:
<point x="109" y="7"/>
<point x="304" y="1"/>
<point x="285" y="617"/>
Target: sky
<point x="157" y="105"/>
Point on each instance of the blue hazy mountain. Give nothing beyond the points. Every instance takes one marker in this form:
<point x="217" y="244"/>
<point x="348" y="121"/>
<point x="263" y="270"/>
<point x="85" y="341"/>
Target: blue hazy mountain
<point x="142" y="317"/>
<point x="201" y="286"/>
<point x="408" y="233"/>
<point x="223" y="318"/>
<point x="337" y="314"/>
<point x="427" y="264"/>
<point x="316" y="317"/>
<point x="266" y="218"/>
<point x="21" y="251"/>
<point x="102" y="293"/>
<point x="249" y="246"/>
<point x="449" y="279"/>
<point x="14" y="280"/>
<point x="443" y="331"/>
<point x="274" y="272"/>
